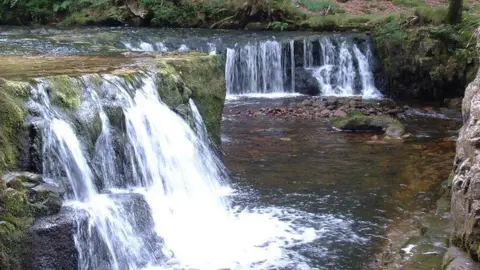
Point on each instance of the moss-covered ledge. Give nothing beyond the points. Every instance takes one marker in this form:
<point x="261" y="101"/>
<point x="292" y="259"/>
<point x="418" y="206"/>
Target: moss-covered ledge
<point x="199" y="76"/>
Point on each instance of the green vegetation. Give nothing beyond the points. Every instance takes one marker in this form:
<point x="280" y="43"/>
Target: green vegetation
<point x="278" y="25"/>
<point x="321" y="5"/>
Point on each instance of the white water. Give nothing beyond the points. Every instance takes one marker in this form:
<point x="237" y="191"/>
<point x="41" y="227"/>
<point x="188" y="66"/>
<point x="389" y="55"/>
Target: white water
<point x="337" y="73"/>
<point x="102" y="243"/>
<point x="260" y="69"/>
<point x="184" y="185"/>
<point x="255" y="69"/>
<point x="292" y="66"/>
<point x="199" y="124"/>
<point x="368" y="85"/>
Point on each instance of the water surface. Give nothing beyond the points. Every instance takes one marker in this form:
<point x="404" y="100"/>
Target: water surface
<point x="350" y="191"/>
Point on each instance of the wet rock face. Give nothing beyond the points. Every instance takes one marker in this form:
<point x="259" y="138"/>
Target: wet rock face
<point x="23" y="197"/>
<point x="50" y="241"/>
<point x="420" y="65"/>
<point x="305" y="83"/>
<point x="465" y="207"/>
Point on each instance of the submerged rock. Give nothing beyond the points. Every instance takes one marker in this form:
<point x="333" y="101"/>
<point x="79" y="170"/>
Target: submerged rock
<point x="392" y="127"/>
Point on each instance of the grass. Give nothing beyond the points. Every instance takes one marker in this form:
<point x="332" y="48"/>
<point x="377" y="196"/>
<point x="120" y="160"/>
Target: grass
<point x="435" y="16"/>
<point x="321" y="5"/>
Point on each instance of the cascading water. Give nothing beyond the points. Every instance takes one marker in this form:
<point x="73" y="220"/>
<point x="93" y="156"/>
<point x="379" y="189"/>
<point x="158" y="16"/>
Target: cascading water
<point x="270" y="67"/>
<point x="102" y="243"/>
<point x="368" y="85"/>
<point x="339" y="70"/>
<point x="335" y="64"/>
<point x="156" y="196"/>
<point x="255" y="69"/>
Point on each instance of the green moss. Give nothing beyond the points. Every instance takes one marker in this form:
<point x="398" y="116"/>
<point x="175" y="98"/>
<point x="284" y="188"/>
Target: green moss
<point x="170" y="85"/>
<point x="12" y="115"/>
<point x="64" y="91"/>
<point x="204" y="76"/>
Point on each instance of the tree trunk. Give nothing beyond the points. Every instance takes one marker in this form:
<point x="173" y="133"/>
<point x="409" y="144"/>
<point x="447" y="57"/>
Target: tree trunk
<point x="455" y="11"/>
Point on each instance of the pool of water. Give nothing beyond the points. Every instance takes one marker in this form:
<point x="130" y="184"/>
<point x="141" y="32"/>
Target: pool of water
<point x="349" y="190"/>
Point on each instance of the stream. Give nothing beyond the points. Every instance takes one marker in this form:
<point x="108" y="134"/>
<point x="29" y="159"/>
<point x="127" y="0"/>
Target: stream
<point x="278" y="194"/>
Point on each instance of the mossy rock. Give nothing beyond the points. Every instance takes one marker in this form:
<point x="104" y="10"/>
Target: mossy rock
<point x="356" y="122"/>
<point x="12" y="114"/>
<point x="203" y="75"/>
<point x="170" y="85"/>
<point x="64" y="91"/>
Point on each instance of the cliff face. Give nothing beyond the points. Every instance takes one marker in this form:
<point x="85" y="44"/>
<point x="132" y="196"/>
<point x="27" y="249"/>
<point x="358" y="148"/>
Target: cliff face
<point x="465" y="205"/>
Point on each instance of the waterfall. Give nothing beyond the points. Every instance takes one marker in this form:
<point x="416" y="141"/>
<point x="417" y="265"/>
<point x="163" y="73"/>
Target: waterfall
<point x="230" y="70"/>
<point x="155" y="194"/>
<point x="292" y="66"/>
<point x="368" y="85"/>
<point x="255" y="69"/>
<point x="270" y="67"/>
<point x="102" y="244"/>
<point x="337" y="64"/>
<point x="212" y="49"/>
<point x="341" y="64"/>
<point x="199" y="125"/>
<point x="307" y="53"/>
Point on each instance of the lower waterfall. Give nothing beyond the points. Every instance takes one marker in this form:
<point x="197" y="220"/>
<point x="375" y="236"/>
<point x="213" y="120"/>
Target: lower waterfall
<point x="155" y="194"/>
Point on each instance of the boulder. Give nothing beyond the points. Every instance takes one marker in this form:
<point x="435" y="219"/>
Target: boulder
<point x="465" y="207"/>
<point x="357" y="122"/>
<point x="305" y="83"/>
<point x="50" y="242"/>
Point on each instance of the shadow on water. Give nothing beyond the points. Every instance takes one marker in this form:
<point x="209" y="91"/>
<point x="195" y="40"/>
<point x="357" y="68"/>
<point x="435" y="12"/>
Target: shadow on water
<point x="305" y="165"/>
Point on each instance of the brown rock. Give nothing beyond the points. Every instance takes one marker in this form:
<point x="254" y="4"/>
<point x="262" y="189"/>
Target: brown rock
<point x="325" y="112"/>
<point x="340" y="113"/>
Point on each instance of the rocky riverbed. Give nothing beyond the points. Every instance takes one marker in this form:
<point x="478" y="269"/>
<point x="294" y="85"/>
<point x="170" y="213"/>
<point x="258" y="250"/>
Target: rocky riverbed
<point x="329" y="107"/>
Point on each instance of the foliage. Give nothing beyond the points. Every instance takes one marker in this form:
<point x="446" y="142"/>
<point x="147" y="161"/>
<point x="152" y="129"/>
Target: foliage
<point x="276" y="25"/>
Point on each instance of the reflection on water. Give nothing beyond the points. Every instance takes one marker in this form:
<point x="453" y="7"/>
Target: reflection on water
<point x="336" y="177"/>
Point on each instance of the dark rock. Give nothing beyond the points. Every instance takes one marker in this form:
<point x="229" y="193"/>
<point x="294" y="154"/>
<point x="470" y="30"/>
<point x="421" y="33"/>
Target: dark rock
<point x="305" y="83"/>
<point x="50" y="242"/>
